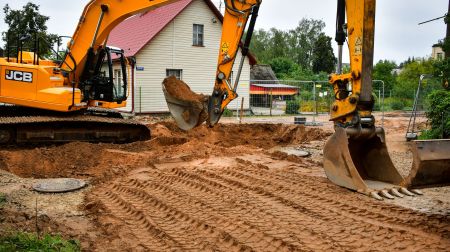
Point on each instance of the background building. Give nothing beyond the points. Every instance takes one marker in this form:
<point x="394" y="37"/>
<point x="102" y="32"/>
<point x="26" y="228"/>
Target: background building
<point x="437" y="52"/>
<point x="180" y="39"/>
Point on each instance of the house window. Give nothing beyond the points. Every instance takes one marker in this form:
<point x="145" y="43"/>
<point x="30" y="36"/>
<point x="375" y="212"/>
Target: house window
<point x="197" y="39"/>
<point x="118" y="85"/>
<point x="174" y="72"/>
<point x="117" y="77"/>
<point x="440" y="56"/>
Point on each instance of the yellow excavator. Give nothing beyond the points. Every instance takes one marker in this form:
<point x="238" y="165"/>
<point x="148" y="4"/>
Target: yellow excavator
<point x="71" y="98"/>
<point x="355" y="156"/>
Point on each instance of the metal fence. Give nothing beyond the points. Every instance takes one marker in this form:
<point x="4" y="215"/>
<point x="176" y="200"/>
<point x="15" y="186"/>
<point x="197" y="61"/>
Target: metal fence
<point x="291" y="97"/>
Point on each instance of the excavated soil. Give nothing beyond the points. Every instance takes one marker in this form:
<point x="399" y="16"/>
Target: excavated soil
<point x="95" y="161"/>
<point x="228" y="188"/>
<point x="180" y="90"/>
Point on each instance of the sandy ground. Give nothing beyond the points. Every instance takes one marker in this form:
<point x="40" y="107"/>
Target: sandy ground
<point x="231" y="188"/>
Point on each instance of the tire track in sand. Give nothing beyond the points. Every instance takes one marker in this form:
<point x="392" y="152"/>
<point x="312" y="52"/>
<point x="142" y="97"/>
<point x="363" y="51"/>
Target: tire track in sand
<point x="374" y="213"/>
<point x="218" y="215"/>
<point x="215" y="217"/>
<point x="179" y="225"/>
<point x="383" y="233"/>
<point x="247" y="208"/>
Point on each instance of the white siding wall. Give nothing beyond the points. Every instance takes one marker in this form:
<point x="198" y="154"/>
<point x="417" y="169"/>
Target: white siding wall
<point x="172" y="49"/>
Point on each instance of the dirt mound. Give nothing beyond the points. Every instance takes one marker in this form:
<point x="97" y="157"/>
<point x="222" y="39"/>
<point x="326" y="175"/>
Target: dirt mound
<point x="258" y="135"/>
<point x="103" y="161"/>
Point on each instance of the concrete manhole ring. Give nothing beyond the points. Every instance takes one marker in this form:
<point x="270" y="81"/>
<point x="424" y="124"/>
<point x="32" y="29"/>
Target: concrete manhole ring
<point x="302" y="153"/>
<point x="58" y="185"/>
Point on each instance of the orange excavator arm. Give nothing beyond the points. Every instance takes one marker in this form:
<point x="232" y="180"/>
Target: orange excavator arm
<point x="190" y="110"/>
<point x="237" y="14"/>
<point x="96" y="22"/>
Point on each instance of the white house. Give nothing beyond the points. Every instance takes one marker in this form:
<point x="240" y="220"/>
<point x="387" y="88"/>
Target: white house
<point x="437" y="53"/>
<point x="179" y="39"/>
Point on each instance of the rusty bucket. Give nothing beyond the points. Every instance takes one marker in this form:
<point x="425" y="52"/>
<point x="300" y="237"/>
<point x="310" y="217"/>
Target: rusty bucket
<point x="363" y="164"/>
<point x="186" y="107"/>
<point x="431" y="164"/>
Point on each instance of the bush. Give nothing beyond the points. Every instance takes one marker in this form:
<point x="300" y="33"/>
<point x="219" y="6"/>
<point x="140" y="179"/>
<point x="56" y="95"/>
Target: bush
<point x="438" y="113"/>
<point x="227" y="113"/>
<point x="430" y="134"/>
<point x="2" y="198"/>
<point x="292" y="107"/>
<point x="397" y="105"/>
<point x="307" y="106"/>
<point x="30" y="242"/>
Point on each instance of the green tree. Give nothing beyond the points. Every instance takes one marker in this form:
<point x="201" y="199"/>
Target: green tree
<point x="259" y="45"/>
<point x="442" y="71"/>
<point x="438" y="114"/>
<point x="407" y="81"/>
<point x="278" y="44"/>
<point x="302" y="40"/>
<point x="383" y="70"/>
<point x="283" y="67"/>
<point x="323" y="59"/>
<point x="25" y="23"/>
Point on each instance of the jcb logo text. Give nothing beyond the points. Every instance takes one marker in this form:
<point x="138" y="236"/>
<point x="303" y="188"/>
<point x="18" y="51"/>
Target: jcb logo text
<point x="19" y="76"/>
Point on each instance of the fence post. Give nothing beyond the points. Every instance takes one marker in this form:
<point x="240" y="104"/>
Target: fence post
<point x="315" y="101"/>
<point x="140" y="100"/>
<point x="242" y="110"/>
<point x="270" y="101"/>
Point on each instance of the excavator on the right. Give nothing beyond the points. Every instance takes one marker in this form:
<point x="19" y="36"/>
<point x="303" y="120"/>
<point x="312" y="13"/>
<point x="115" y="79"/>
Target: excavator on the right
<point x="356" y="156"/>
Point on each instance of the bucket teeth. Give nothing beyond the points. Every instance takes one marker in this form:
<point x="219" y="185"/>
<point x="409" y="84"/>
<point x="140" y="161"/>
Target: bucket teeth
<point x="386" y="194"/>
<point x="406" y="192"/>
<point x="395" y="192"/>
<point x="417" y="191"/>
<point x="375" y="195"/>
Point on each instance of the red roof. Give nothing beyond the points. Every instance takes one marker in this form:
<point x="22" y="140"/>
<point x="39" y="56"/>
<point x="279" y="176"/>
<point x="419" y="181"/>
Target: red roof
<point x="134" y="33"/>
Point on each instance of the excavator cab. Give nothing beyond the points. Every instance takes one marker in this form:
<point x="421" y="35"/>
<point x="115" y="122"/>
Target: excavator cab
<point x="103" y="82"/>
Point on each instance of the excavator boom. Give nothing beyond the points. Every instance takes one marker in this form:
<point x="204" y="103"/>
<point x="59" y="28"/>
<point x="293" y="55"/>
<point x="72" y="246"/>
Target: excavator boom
<point x="356" y="156"/>
<point x="189" y="109"/>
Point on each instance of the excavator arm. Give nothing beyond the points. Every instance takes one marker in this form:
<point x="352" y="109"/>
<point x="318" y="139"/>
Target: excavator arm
<point x="236" y="16"/>
<point x="189" y="113"/>
<point x="356" y="156"/>
<point x="98" y="19"/>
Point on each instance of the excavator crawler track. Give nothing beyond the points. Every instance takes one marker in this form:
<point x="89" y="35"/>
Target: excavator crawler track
<point x="45" y="127"/>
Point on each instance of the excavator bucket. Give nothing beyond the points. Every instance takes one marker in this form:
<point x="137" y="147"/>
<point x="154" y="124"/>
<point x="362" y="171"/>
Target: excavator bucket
<point x="363" y="164"/>
<point x="431" y="164"/>
<point x="187" y="108"/>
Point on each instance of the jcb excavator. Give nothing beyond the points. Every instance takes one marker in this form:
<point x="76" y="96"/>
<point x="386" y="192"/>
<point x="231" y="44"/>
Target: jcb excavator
<point x="71" y="100"/>
<point x="356" y="155"/>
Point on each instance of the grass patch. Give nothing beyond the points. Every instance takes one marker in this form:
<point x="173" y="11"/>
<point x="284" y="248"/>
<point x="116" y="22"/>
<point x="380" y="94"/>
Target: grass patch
<point x="30" y="242"/>
<point x="2" y="199"/>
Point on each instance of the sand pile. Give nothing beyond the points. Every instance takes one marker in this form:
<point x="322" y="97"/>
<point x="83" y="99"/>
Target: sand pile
<point x="179" y="94"/>
<point x="88" y="160"/>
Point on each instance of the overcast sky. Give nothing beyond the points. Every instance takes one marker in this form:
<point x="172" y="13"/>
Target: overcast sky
<point x="397" y="34"/>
